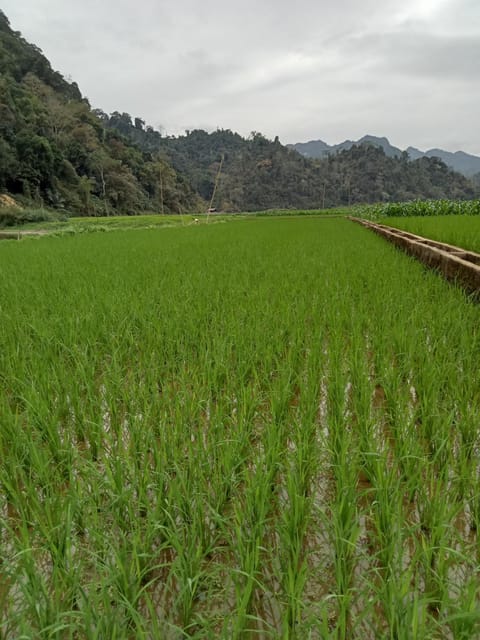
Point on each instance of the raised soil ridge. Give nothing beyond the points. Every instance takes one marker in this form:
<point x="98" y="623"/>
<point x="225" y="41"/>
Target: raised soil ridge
<point x="454" y="263"/>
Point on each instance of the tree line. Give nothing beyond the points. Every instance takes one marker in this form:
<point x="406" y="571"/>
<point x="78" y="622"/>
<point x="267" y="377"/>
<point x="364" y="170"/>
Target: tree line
<point x="56" y="151"/>
<point x="258" y="173"/>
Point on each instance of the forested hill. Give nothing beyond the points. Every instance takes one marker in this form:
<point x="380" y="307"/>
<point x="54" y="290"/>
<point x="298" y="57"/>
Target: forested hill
<point x="258" y="173"/>
<point x="55" y="151"/>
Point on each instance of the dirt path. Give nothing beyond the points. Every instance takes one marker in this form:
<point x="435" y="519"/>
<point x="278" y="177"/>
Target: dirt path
<point x="17" y="235"/>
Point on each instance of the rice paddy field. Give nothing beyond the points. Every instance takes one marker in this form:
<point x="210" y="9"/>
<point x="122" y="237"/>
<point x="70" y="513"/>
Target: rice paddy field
<point x="460" y="230"/>
<point x="260" y="429"/>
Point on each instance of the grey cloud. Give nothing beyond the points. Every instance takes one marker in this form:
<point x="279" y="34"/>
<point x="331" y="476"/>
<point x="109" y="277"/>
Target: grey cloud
<point x="406" y="69"/>
<point x="415" y="53"/>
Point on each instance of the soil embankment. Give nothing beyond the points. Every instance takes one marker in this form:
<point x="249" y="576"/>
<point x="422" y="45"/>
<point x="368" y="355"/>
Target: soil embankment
<point x="455" y="264"/>
<point x="17" y="235"/>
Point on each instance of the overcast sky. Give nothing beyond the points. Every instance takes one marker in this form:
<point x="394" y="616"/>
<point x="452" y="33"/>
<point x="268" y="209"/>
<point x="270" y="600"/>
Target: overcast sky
<point x="302" y="70"/>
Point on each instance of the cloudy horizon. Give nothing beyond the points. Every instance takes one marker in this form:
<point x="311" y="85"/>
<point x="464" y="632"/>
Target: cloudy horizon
<point x="405" y="70"/>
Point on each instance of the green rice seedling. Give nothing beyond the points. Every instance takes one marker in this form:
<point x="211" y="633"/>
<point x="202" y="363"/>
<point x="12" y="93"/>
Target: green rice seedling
<point x="403" y="608"/>
<point x="250" y="520"/>
<point x="292" y="532"/>
<point x="344" y="514"/>
<point x="345" y="531"/>
<point x="436" y="517"/>
<point x="463" y="617"/>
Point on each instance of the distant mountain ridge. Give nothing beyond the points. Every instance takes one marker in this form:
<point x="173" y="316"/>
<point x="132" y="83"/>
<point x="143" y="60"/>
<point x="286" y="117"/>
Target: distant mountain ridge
<point x="464" y="163"/>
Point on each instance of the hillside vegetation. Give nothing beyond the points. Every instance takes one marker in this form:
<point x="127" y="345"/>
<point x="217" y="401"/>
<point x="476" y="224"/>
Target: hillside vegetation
<point x="56" y="151"/>
<point x="258" y="173"/>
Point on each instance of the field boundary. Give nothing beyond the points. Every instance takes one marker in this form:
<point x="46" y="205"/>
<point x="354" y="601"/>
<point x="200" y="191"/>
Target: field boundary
<point x="19" y="234"/>
<point x="455" y="263"/>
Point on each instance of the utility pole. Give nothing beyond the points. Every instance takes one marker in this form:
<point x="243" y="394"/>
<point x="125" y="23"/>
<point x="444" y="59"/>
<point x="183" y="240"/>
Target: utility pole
<point x="217" y="178"/>
<point x="161" y="191"/>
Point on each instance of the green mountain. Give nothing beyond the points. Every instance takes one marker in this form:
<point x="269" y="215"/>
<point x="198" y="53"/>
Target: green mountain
<point x="56" y="151"/>
<point x="257" y="173"/>
<point x="465" y="163"/>
<point x="320" y="149"/>
<point x="459" y="161"/>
